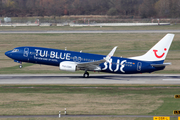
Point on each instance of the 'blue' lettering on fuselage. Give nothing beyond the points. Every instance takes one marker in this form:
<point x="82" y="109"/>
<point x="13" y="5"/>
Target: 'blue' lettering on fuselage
<point x="117" y="65"/>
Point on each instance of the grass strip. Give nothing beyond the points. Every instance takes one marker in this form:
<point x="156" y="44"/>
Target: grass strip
<point x="111" y="100"/>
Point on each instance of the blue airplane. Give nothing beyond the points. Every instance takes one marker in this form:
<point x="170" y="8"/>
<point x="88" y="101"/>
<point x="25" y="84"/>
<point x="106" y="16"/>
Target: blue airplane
<point x="72" y="61"/>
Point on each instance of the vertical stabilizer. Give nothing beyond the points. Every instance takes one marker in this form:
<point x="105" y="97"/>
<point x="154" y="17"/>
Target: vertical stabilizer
<point x="159" y="51"/>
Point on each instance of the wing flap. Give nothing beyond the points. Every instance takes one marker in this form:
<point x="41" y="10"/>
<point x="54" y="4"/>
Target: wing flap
<point x="91" y="65"/>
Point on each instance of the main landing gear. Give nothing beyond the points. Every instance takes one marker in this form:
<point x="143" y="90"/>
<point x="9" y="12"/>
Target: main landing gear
<point x="86" y="74"/>
<point x="20" y="66"/>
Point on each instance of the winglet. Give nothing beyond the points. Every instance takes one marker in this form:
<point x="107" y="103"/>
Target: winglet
<point x="110" y="54"/>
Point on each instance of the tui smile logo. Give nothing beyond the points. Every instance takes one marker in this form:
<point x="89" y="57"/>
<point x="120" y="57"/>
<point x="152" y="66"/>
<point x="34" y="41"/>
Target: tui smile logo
<point x="159" y="56"/>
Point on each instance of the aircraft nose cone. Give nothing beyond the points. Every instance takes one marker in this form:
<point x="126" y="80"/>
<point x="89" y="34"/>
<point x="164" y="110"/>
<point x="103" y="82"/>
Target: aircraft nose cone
<point x="7" y="53"/>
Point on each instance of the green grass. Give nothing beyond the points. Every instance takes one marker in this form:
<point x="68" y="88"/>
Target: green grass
<point x="90" y="99"/>
<point x="165" y="94"/>
<point x="85" y="118"/>
<point x="81" y="118"/>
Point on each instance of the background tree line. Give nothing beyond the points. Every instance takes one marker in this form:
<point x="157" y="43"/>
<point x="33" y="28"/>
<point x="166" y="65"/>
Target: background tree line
<point x="142" y="8"/>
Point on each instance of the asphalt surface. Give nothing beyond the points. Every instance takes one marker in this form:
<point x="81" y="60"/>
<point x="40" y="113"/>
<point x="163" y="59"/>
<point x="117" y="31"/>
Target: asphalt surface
<point x="92" y="31"/>
<point x="158" y="79"/>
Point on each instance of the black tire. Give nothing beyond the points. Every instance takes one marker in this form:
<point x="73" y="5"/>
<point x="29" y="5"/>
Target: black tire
<point x="86" y="75"/>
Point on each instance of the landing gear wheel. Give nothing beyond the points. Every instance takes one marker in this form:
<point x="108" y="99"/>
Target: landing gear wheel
<point x="20" y="66"/>
<point x="86" y="75"/>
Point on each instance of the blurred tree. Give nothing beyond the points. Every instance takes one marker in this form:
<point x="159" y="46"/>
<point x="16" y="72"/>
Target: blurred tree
<point x="112" y="11"/>
<point x="174" y="8"/>
<point x="147" y="8"/>
<point x="1" y="8"/>
<point x="10" y="4"/>
<point x="162" y="8"/>
<point x="143" y="8"/>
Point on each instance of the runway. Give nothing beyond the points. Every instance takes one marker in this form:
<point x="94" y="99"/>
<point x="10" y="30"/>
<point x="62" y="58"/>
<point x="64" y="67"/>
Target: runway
<point x="91" y="31"/>
<point x="159" y="79"/>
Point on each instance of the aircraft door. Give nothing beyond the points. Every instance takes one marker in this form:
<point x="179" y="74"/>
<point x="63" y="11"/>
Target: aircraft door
<point x="139" y="65"/>
<point x="26" y="52"/>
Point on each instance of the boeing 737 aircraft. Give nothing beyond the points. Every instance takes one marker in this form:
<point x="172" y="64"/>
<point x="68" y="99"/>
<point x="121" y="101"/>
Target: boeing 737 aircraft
<point x="72" y="61"/>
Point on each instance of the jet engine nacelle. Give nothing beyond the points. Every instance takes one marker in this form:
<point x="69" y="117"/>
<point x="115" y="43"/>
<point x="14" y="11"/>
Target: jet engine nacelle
<point x="68" y="66"/>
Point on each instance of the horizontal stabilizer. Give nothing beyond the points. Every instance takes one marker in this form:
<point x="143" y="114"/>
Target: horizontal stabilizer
<point x="160" y="65"/>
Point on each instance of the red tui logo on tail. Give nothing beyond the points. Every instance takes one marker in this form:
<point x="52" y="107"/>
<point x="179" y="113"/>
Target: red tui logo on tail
<point x="155" y="52"/>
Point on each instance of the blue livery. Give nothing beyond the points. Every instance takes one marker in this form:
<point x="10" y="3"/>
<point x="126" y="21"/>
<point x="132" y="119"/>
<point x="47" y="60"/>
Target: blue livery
<point x="72" y="61"/>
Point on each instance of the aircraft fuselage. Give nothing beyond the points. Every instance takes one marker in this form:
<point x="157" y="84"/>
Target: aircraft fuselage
<point x="48" y="56"/>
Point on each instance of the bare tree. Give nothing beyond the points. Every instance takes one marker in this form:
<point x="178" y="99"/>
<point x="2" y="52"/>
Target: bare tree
<point x="162" y="8"/>
<point x="175" y="9"/>
<point x="147" y="8"/>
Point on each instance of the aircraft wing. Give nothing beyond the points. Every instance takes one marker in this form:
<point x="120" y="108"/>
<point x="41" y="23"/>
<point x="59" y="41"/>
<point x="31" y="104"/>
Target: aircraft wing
<point x="160" y="65"/>
<point x="94" y="66"/>
<point x="91" y="65"/>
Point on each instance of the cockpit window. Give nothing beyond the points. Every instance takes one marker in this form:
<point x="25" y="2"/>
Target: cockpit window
<point x="15" y="50"/>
